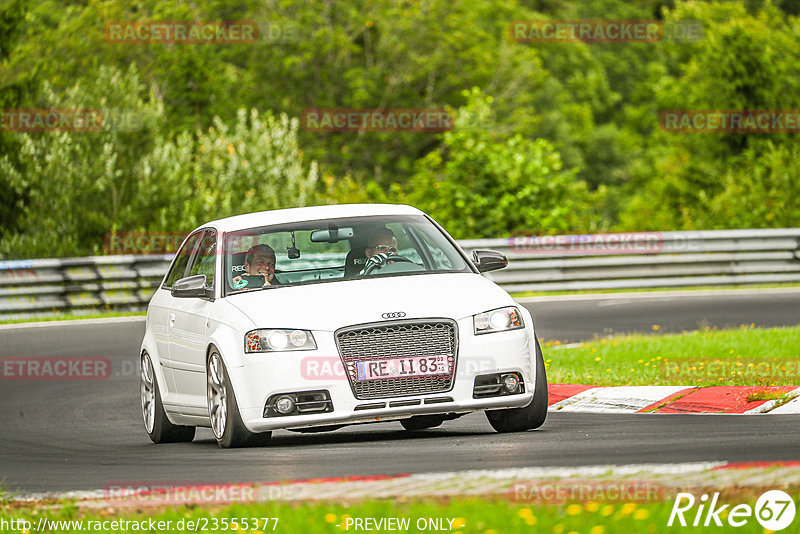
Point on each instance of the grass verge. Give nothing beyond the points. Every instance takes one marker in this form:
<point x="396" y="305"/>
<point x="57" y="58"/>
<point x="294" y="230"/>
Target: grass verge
<point x="466" y="516"/>
<point x="746" y="356"/>
<point x="522" y="294"/>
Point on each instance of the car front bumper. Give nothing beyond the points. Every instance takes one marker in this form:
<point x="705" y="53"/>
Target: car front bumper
<point x="268" y="374"/>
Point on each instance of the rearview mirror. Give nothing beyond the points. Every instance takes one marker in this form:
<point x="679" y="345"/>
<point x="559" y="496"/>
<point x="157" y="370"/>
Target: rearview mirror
<point x="488" y="260"/>
<point x="332" y="235"/>
<point x="192" y="287"/>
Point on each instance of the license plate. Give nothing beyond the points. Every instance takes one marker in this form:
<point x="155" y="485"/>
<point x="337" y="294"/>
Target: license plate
<point x="402" y="367"/>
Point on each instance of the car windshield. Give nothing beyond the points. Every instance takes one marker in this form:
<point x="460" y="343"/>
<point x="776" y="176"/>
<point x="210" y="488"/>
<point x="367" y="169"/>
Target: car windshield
<point x="337" y="249"/>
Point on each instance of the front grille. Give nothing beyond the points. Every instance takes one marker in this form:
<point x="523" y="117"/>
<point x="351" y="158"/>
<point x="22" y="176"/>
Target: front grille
<point x="401" y="339"/>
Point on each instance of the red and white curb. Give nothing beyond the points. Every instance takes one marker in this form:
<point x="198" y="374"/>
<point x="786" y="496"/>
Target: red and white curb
<point x="514" y="484"/>
<point x="673" y="399"/>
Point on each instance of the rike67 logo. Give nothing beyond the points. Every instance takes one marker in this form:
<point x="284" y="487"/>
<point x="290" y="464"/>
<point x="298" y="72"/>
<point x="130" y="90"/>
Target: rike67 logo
<point x="774" y="510"/>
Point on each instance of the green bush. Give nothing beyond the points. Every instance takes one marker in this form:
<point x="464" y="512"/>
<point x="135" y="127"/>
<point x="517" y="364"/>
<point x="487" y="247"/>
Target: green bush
<point x="130" y="177"/>
<point x="476" y="186"/>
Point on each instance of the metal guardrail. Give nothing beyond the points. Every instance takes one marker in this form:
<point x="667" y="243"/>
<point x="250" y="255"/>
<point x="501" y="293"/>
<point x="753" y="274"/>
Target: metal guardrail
<point x="664" y="259"/>
<point x="40" y="288"/>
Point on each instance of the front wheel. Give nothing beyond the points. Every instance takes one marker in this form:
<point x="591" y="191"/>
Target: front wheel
<point x="226" y="423"/>
<point x="156" y="424"/>
<point x="531" y="416"/>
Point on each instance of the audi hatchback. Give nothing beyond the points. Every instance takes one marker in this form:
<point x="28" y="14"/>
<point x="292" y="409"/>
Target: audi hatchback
<point x="310" y="319"/>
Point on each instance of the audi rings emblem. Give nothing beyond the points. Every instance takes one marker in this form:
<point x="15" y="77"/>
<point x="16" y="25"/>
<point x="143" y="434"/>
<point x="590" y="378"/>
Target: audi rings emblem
<point x="393" y="315"/>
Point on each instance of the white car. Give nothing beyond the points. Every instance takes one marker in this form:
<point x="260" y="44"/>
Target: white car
<point x="365" y="313"/>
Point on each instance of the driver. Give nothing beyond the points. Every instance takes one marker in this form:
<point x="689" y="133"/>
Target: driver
<point x="259" y="268"/>
<point x="381" y="244"/>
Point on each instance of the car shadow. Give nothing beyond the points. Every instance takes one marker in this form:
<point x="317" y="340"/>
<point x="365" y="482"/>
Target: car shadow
<point x="349" y="436"/>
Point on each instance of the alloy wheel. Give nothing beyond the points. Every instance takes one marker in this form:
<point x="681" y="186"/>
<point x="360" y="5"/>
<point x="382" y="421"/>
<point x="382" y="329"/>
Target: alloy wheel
<point x="217" y="395"/>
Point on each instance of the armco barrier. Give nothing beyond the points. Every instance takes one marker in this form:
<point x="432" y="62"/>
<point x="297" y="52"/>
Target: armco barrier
<point x="41" y="288"/>
<point x="33" y="288"/>
<point x="664" y="259"/>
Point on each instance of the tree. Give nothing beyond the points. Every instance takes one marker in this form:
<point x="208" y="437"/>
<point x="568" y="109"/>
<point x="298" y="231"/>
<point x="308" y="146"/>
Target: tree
<point x="12" y="93"/>
<point x="78" y="185"/>
<point x="129" y="176"/>
<point x="478" y="187"/>
<point x="743" y="62"/>
<point x="253" y="165"/>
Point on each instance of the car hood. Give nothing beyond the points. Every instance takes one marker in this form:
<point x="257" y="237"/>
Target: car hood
<point x="332" y="305"/>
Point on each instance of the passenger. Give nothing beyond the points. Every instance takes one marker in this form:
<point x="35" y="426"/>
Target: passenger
<point x="381" y="244"/>
<point x="259" y="268"/>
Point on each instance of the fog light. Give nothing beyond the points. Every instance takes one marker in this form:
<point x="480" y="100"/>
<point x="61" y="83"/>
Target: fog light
<point x="510" y="382"/>
<point x="284" y="405"/>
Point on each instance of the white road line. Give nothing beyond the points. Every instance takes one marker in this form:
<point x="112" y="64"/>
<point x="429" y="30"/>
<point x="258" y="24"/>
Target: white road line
<point x="791" y="407"/>
<point x="622" y="399"/>
<point x="768" y="406"/>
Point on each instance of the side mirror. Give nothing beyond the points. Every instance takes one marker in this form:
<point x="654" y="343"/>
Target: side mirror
<point x="192" y="287"/>
<point x="488" y="260"/>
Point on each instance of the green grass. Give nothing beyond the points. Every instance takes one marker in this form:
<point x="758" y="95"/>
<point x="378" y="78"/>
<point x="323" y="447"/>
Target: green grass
<point x="523" y="294"/>
<point x="745" y="356"/>
<point x="479" y="516"/>
<point x="70" y="317"/>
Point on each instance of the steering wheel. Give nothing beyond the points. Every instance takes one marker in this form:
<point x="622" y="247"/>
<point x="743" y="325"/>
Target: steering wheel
<point x="372" y="266"/>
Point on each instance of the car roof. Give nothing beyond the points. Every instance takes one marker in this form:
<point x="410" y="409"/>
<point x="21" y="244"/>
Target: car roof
<point x="308" y="213"/>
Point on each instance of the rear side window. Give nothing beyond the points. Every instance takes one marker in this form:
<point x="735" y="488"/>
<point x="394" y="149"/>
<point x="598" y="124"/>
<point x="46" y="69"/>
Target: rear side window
<point x="181" y="260"/>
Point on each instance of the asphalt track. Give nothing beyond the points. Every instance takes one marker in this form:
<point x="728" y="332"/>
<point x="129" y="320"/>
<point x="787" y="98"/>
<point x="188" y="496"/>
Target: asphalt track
<point x="68" y="435"/>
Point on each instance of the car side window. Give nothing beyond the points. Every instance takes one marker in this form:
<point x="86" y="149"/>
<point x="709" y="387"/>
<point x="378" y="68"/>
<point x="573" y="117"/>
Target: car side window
<point x="405" y="246"/>
<point x="181" y="260"/>
<point x="205" y="258"/>
<point x="441" y="260"/>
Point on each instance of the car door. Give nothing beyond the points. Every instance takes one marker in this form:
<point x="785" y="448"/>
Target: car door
<point x="160" y="311"/>
<point x="188" y="330"/>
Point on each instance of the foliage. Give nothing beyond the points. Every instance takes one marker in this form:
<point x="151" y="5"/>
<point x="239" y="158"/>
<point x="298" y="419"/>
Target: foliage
<point x="12" y="15"/>
<point x="252" y="165"/>
<point x="478" y="187"/>
<point x="744" y="62"/>
<point x="131" y="177"/>
<point x="80" y="185"/>
<point x="570" y="141"/>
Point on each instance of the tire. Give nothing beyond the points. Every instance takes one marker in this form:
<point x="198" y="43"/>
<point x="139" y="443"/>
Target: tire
<point x="421" y="422"/>
<point x="223" y="411"/>
<point x="156" y="424"/>
<point x="531" y="416"/>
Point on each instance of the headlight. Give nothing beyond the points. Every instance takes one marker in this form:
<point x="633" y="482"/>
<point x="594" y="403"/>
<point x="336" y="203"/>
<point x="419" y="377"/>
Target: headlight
<point x="271" y="340"/>
<point x="498" y="320"/>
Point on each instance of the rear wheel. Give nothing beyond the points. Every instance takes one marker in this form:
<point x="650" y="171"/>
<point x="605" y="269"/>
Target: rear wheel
<point x="531" y="416"/>
<point x="226" y="423"/>
<point x="156" y="424"/>
<point x="421" y="422"/>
